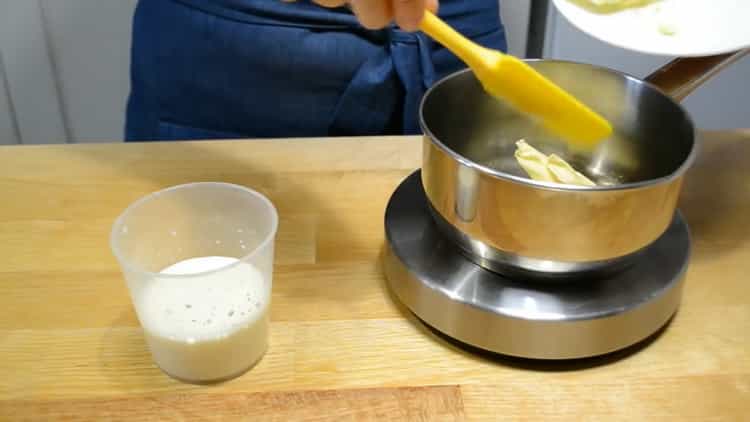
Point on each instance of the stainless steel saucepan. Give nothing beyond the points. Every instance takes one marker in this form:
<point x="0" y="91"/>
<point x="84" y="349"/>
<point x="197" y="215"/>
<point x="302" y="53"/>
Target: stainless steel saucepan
<point x="506" y="222"/>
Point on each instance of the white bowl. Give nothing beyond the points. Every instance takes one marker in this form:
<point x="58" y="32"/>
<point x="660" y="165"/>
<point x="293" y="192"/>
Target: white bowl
<point x="700" y="27"/>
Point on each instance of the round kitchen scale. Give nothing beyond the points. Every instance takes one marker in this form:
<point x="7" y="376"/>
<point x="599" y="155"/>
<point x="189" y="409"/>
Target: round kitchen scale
<point x="521" y="317"/>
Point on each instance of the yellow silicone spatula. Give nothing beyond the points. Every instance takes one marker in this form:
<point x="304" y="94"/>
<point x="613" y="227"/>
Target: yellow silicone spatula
<point x="523" y="87"/>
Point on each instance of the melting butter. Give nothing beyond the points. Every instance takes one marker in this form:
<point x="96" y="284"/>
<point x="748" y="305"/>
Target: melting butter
<point x="611" y="6"/>
<point x="548" y="168"/>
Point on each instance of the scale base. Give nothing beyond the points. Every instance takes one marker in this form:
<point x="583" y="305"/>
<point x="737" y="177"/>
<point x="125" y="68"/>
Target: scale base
<point x="521" y="318"/>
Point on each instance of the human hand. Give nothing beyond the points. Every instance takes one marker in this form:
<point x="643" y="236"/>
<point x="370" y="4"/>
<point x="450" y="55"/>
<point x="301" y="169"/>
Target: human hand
<point x="376" y="14"/>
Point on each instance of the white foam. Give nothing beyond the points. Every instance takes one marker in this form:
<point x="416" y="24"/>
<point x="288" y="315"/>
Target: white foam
<point x="206" y="306"/>
<point x="210" y="325"/>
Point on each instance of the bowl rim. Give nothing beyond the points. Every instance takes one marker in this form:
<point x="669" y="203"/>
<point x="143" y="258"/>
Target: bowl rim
<point x="127" y="264"/>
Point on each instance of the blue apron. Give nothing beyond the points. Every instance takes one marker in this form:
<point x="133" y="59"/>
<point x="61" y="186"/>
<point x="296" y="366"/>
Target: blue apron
<point x="208" y="69"/>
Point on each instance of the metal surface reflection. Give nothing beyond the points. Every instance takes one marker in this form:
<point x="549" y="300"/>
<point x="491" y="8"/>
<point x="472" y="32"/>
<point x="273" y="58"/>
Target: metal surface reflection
<point x="502" y="218"/>
<point x="521" y="318"/>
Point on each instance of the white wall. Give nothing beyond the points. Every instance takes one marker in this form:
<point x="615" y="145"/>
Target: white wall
<point x="515" y="14"/>
<point x="29" y="77"/>
<point x="8" y="129"/>
<point x="723" y="102"/>
<point x="64" y="70"/>
<point x="90" y="46"/>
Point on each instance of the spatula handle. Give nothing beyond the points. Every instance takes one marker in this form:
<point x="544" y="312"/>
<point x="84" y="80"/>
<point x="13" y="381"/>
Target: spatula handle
<point x="465" y="49"/>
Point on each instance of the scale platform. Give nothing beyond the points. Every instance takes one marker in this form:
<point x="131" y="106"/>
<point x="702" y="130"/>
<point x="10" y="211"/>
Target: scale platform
<point x="521" y="318"/>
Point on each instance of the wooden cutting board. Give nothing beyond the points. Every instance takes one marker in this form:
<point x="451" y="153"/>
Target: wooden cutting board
<point x="341" y="347"/>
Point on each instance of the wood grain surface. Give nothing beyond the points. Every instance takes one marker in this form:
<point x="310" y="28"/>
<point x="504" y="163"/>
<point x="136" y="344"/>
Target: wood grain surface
<point x="341" y="347"/>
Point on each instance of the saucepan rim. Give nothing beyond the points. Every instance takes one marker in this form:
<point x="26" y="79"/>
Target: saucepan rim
<point x="679" y="172"/>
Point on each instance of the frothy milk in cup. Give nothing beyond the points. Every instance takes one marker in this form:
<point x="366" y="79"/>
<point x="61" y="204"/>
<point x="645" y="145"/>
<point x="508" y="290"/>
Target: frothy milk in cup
<point x="208" y="326"/>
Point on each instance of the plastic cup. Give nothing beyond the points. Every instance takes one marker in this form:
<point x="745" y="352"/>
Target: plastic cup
<point x="198" y="262"/>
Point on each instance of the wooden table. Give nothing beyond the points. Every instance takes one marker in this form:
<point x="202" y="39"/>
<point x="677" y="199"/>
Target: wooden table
<point x="341" y="347"/>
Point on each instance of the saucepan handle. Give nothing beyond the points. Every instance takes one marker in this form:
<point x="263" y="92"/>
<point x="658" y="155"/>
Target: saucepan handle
<point x="683" y="75"/>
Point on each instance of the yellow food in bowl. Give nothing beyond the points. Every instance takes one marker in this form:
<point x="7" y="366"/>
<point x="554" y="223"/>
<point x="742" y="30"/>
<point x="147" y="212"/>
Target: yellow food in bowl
<point x="611" y="6"/>
<point x="548" y="168"/>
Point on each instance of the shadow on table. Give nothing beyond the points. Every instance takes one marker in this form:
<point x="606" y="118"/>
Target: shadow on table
<point x="124" y="358"/>
<point x="127" y="363"/>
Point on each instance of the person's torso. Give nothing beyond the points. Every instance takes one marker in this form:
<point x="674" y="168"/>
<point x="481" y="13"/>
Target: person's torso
<point x="469" y="17"/>
<point x="203" y="67"/>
